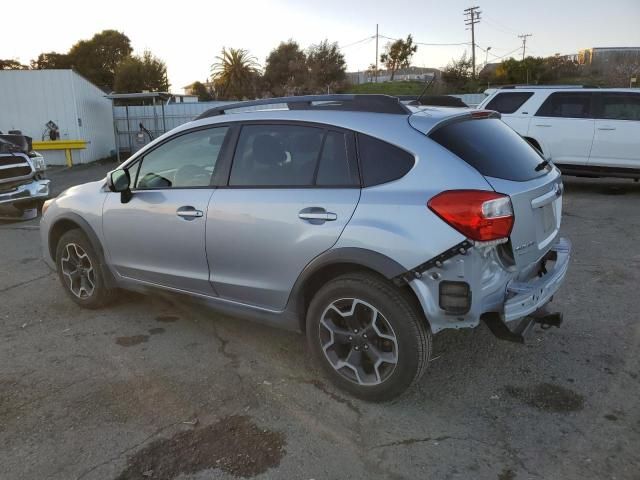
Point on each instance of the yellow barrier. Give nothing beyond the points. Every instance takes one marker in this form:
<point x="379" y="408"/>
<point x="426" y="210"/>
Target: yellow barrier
<point x="66" y="145"/>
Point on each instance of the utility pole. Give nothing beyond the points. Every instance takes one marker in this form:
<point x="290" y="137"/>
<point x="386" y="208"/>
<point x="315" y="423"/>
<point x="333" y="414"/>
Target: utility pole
<point x="376" y="72"/>
<point x="524" y="42"/>
<point x="473" y="17"/>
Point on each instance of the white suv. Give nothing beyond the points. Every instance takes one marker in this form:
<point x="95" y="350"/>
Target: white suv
<point x="584" y="131"/>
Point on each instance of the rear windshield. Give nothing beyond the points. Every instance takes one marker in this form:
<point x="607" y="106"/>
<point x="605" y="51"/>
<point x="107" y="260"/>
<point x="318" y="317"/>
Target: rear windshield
<point x="492" y="148"/>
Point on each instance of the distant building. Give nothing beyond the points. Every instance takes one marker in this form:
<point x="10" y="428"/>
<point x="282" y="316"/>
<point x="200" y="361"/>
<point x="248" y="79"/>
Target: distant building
<point x="189" y="89"/>
<point x="608" y="57"/>
<point x="183" y="98"/>
<point x="29" y="99"/>
<point x="402" y="75"/>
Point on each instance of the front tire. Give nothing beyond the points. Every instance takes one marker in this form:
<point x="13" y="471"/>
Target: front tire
<point x="368" y="336"/>
<point x="81" y="271"/>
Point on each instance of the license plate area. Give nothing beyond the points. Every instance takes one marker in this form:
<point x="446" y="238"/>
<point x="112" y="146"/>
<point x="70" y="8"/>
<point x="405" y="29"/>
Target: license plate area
<point x="548" y="219"/>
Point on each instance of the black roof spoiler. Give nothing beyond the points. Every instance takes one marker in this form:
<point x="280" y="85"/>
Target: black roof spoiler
<point x="433" y="100"/>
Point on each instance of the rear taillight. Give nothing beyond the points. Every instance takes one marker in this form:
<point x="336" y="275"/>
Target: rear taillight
<point x="480" y="215"/>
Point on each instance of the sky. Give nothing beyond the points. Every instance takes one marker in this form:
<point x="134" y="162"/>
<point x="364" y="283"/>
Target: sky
<point x="189" y="35"/>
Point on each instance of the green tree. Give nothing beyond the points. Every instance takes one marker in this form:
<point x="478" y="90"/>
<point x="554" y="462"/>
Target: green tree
<point x="138" y="73"/>
<point x="286" y="69"/>
<point x="98" y="58"/>
<point x="458" y="73"/>
<point x="529" y="70"/>
<point x="51" y="60"/>
<point x="398" y="54"/>
<point x="235" y="74"/>
<point x="326" y="66"/>
<point x="558" y="67"/>
<point x="201" y="90"/>
<point x="10" y="64"/>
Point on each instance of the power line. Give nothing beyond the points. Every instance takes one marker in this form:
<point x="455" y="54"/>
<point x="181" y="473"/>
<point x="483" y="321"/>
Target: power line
<point x="499" y="26"/>
<point x="472" y="15"/>
<point x="507" y="54"/>
<point x="357" y="42"/>
<point x="428" y="43"/>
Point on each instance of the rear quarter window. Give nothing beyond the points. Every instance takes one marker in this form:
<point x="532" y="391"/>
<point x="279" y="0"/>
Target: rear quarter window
<point x="492" y="148"/>
<point x="508" y="102"/>
<point x="381" y="162"/>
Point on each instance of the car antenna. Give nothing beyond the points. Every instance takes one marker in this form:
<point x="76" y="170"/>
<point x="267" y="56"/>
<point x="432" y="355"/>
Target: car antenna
<point x="424" y="90"/>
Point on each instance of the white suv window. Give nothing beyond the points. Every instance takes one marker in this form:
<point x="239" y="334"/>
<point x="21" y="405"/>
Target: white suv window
<point x="508" y="102"/>
<point x="619" y="106"/>
<point x="567" y="105"/>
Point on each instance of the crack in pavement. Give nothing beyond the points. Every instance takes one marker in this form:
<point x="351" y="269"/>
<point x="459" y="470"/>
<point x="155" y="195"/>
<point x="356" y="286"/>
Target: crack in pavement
<point x="322" y="387"/>
<point x="128" y="449"/>
<point x="26" y="282"/>
<point x="411" y="441"/>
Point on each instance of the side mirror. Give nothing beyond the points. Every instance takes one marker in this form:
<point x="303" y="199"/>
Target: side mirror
<point x="120" y="181"/>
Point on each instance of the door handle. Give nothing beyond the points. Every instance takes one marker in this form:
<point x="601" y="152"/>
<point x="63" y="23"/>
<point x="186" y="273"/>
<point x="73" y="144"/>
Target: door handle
<point x="326" y="216"/>
<point x="189" y="213"/>
<point x="606" y="128"/>
<point x="317" y="215"/>
<point x="542" y="125"/>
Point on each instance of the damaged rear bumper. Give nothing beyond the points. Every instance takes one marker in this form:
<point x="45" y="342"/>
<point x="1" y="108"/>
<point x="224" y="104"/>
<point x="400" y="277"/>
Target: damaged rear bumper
<point x="505" y="294"/>
<point x="524" y="298"/>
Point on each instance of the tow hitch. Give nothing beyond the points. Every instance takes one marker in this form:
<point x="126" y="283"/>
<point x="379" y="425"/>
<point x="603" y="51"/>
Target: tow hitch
<point x="543" y="317"/>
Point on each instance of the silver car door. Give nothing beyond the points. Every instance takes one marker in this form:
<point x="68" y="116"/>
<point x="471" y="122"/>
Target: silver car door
<point x="158" y="236"/>
<point x="292" y="190"/>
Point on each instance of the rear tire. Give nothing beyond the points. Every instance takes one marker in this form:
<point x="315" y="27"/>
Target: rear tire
<point x="81" y="271"/>
<point x="369" y="337"/>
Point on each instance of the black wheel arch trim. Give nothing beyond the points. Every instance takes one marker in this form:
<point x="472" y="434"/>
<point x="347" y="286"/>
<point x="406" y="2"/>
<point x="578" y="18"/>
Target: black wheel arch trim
<point x="88" y="230"/>
<point x="362" y="257"/>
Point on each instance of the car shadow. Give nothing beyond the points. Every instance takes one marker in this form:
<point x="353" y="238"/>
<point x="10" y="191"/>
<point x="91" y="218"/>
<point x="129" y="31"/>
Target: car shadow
<point x="601" y="186"/>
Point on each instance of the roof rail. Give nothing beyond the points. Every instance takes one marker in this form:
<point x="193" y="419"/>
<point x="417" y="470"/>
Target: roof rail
<point x="351" y="103"/>
<point x="513" y="87"/>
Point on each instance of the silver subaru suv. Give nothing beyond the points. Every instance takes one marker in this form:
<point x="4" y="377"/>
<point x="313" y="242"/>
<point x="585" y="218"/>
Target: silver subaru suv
<point x="367" y="223"/>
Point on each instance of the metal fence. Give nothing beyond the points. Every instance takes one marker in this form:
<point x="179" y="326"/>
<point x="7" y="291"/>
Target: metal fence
<point x="162" y="118"/>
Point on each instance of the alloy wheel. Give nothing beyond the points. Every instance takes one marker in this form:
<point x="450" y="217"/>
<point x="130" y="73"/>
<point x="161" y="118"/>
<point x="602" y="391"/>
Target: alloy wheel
<point x="78" y="271"/>
<point x="358" y="341"/>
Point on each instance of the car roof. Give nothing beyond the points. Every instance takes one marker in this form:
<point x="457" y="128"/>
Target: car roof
<point x="380" y="125"/>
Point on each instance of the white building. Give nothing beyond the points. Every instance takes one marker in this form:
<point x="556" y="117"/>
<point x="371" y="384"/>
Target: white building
<point x="31" y="98"/>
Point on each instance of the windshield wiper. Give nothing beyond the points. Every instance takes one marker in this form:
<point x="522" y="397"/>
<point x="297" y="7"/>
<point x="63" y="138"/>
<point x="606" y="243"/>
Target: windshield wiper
<point x="541" y="165"/>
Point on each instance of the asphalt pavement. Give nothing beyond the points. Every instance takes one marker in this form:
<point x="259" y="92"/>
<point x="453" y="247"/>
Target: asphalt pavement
<point x="160" y="387"/>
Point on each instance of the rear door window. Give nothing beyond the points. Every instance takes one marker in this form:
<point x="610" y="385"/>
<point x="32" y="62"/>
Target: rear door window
<point x="492" y="148"/>
<point x="618" y="106"/>
<point x="337" y="167"/>
<point x="276" y="156"/>
<point x="382" y="162"/>
<point x="508" y="102"/>
<point x="567" y="105"/>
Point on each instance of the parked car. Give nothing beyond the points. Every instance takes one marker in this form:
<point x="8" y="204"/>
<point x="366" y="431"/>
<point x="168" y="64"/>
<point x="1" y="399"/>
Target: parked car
<point x="585" y="131"/>
<point x="22" y="173"/>
<point x="365" y="223"/>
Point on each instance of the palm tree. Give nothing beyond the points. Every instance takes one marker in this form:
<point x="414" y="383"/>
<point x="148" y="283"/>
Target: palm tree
<point x="234" y="74"/>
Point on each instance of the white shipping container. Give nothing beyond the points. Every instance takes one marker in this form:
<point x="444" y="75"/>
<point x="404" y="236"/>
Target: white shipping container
<point x="30" y="98"/>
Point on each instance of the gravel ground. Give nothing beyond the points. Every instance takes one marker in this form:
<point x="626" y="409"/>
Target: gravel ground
<point x="159" y="387"/>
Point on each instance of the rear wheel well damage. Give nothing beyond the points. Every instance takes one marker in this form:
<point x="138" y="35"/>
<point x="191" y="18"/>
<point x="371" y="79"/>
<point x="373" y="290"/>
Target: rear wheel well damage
<point x="323" y="275"/>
